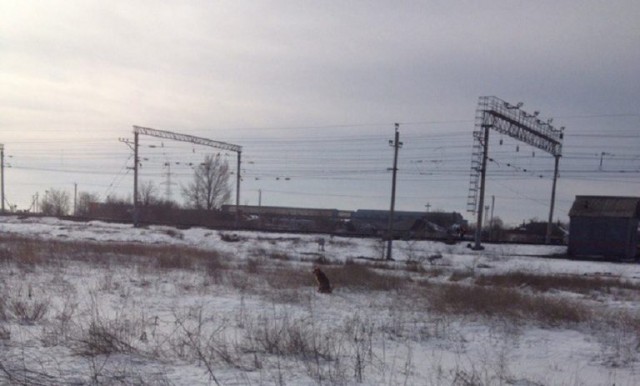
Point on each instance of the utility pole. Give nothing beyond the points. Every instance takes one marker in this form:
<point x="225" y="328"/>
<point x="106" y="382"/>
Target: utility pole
<point x="396" y="146"/>
<point x="136" y="160"/>
<point x="75" y="198"/>
<point x="547" y="238"/>
<point x="34" y="203"/>
<point x="483" y="174"/>
<point x="168" y="182"/>
<point x="486" y="215"/>
<point x="493" y="204"/>
<point x="428" y="206"/>
<point x="259" y="197"/>
<point x="134" y="146"/>
<point x="238" y="178"/>
<point x="601" y="158"/>
<point x="2" y="180"/>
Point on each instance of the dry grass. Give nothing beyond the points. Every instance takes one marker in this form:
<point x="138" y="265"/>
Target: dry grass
<point x="361" y="277"/>
<point x="284" y="277"/>
<point x="545" y="283"/>
<point x="459" y="275"/>
<point x="281" y="276"/>
<point x="27" y="253"/>
<point x="3" y="311"/>
<point x="288" y="336"/>
<point x="341" y="351"/>
<point x="507" y="303"/>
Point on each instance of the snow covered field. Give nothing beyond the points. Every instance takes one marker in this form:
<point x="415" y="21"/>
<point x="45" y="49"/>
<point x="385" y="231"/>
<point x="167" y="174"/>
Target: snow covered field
<point x="98" y="303"/>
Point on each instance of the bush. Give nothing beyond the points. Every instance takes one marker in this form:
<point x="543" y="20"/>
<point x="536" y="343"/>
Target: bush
<point x="286" y="336"/>
<point x="28" y="312"/>
<point x="103" y="340"/>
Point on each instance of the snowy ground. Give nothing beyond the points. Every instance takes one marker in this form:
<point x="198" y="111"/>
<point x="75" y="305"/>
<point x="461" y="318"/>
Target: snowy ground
<point x="98" y="303"/>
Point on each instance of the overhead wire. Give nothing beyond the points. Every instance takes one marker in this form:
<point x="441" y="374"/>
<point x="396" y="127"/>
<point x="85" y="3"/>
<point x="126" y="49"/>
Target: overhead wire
<point x="428" y="155"/>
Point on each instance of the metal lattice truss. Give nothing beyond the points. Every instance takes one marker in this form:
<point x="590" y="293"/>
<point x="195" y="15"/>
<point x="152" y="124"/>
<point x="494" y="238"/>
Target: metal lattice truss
<point x="186" y="138"/>
<point x="494" y="113"/>
<point x="510" y="120"/>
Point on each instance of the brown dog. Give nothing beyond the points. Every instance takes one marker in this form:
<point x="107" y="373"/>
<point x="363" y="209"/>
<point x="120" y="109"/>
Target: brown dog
<point x="324" y="286"/>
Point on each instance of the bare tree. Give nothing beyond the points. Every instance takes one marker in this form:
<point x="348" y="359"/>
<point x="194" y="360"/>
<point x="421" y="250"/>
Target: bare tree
<point x="84" y="202"/>
<point x="148" y="194"/>
<point x="55" y="203"/>
<point x="210" y="186"/>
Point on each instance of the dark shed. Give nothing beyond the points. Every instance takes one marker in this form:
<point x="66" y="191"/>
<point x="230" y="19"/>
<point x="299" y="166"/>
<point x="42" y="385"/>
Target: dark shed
<point x="604" y="226"/>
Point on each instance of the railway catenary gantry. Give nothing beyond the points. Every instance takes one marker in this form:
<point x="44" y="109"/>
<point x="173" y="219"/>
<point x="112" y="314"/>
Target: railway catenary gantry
<point x="509" y="119"/>
<point x="138" y="130"/>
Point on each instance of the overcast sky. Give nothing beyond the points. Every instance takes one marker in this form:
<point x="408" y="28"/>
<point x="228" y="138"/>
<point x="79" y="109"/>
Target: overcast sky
<point x="312" y="89"/>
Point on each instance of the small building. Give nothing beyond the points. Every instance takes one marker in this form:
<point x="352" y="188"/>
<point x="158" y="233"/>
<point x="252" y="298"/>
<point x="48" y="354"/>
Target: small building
<point x="604" y="226"/>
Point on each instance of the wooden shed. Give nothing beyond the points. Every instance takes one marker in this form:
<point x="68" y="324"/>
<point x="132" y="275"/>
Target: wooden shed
<point x="604" y="226"/>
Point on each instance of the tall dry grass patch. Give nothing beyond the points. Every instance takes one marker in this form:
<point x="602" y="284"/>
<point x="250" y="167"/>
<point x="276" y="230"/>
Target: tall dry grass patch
<point x="361" y="277"/>
<point x="545" y="283"/>
<point x="20" y="250"/>
<point x="508" y="303"/>
<point x="286" y="277"/>
<point x="32" y="252"/>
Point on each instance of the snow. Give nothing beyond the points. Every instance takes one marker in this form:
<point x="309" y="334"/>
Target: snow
<point x="188" y="327"/>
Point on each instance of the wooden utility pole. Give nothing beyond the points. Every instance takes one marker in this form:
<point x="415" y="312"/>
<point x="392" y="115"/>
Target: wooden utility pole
<point x="553" y="200"/>
<point x="396" y="146"/>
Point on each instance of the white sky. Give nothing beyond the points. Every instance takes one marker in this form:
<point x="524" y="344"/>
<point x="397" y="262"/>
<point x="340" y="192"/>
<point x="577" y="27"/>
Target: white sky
<point x="311" y="91"/>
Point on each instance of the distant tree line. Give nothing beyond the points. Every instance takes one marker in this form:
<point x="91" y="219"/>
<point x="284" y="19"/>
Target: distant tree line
<point x="209" y="189"/>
